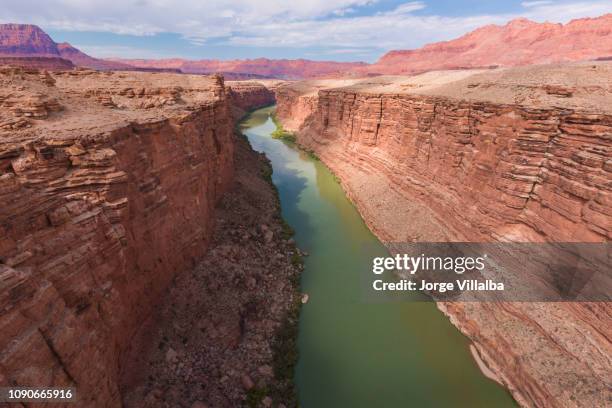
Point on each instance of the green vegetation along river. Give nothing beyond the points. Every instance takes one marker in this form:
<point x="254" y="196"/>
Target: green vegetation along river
<point x="355" y="353"/>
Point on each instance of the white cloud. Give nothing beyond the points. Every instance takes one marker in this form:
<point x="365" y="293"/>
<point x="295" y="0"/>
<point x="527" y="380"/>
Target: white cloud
<point x="407" y="8"/>
<point x="564" y="12"/>
<point x="194" y="19"/>
<point x="325" y="24"/>
<point x="528" y="4"/>
<point x="344" y="11"/>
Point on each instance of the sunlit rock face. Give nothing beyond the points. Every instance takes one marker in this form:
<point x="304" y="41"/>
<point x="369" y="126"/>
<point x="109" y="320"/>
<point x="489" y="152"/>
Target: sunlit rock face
<point x="26" y="45"/>
<point x="26" y="40"/>
<point x="520" y="42"/>
<point x="108" y="183"/>
<point x="248" y="95"/>
<point x="517" y="155"/>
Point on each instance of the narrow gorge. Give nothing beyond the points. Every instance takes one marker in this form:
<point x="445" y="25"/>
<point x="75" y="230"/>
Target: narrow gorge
<point x="520" y="155"/>
<point x="307" y="204"/>
<point x="144" y="259"/>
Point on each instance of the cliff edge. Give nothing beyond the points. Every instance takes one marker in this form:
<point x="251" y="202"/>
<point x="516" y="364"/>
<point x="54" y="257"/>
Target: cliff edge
<point x="109" y="183"/>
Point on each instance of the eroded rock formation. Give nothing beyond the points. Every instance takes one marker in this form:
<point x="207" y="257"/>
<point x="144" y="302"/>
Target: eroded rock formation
<point x="26" y="40"/>
<point x="26" y="45"/>
<point x="219" y="336"/>
<point x="480" y="157"/>
<point x="245" y="96"/>
<point x="48" y="63"/>
<point x="519" y="42"/>
<point x="108" y="183"/>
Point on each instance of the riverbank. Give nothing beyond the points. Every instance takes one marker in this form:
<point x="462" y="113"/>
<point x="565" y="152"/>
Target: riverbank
<point x="354" y="352"/>
<point x="224" y="335"/>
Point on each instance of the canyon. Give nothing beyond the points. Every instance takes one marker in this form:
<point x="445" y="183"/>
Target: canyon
<point x="109" y="183"/>
<point x="125" y="193"/>
<point x="518" y="155"/>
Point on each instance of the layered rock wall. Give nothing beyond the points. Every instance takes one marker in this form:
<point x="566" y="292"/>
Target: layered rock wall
<point x="96" y="221"/>
<point x="493" y="170"/>
<point x="245" y="96"/>
<point x="434" y="167"/>
<point x="50" y="63"/>
<point x="294" y="107"/>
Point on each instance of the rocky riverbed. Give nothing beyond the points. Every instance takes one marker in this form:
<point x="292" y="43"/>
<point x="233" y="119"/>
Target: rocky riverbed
<point x="222" y="336"/>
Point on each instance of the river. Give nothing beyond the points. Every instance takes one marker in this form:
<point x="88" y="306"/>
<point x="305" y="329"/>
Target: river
<point x="355" y="353"/>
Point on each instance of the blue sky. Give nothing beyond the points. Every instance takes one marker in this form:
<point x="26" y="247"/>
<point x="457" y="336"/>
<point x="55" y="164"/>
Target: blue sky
<point x="341" y="30"/>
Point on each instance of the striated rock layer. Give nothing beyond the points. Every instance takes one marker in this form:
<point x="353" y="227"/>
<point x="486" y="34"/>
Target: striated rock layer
<point x="481" y="157"/>
<point x="216" y="337"/>
<point x="49" y="63"/>
<point x="248" y="95"/>
<point x="108" y="184"/>
<point x="26" y="40"/>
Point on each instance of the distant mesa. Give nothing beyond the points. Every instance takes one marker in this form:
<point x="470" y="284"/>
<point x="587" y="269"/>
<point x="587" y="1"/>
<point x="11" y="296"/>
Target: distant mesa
<point x="254" y="68"/>
<point x="48" y="63"/>
<point x="520" y="42"/>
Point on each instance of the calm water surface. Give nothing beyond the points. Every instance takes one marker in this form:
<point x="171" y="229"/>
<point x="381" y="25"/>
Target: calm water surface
<point x="355" y="353"/>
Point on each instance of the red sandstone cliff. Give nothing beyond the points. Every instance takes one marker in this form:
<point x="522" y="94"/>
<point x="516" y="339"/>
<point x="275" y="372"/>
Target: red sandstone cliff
<point x="245" y="96"/>
<point x="487" y="157"/>
<point x="28" y="46"/>
<point x="520" y="42"/>
<point x="108" y="184"/>
<point x="22" y="40"/>
<point x="48" y="63"/>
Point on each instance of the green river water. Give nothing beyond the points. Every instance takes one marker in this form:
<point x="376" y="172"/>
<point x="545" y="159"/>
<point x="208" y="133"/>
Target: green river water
<point x="355" y="353"/>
